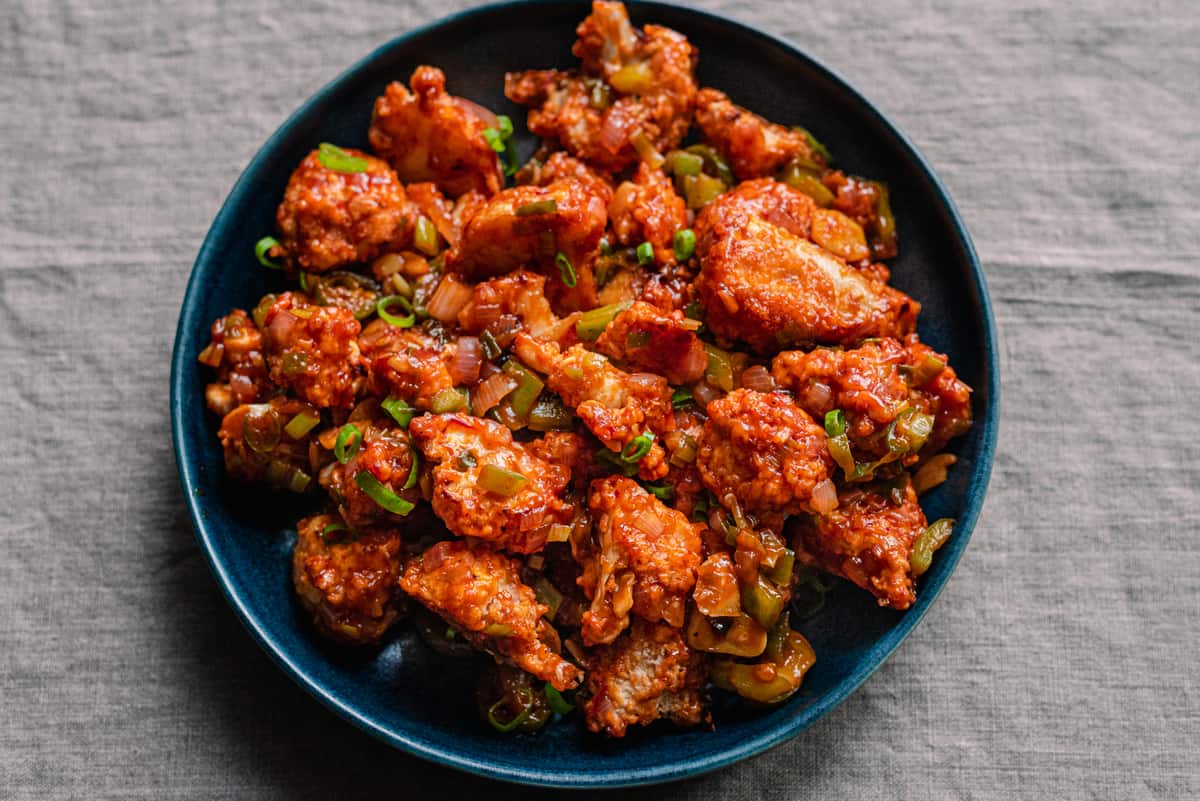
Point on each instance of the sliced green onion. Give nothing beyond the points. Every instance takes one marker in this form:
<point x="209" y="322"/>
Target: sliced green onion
<point x="299" y="481"/>
<point x="838" y="442"/>
<point x="835" y="423"/>
<point x="303" y="280"/>
<point x="260" y="252"/>
<point x="720" y="368"/>
<point x="664" y="492"/>
<point x="301" y="424"/>
<point x="608" y="458"/>
<point x="448" y="400"/>
<point x="348" y="441"/>
<point x="382" y="496"/>
<point x="399" y="410"/>
<point x="781" y="572"/>
<point x="381" y="308"/>
<point x="638" y="447"/>
<point x="693" y="311"/>
<point x="494" y="139"/>
<point x="813" y="144"/>
<point x="558" y="704"/>
<point x="412" y="471"/>
<point x="928" y="541"/>
<point x="909" y="432"/>
<point x="681" y="398"/>
<point x="606" y="248"/>
<point x="491" y="348"/>
<point x="334" y="158"/>
<point x="920" y="375"/>
<point x="523" y="398"/>
<point x="425" y="236"/>
<point x="591" y="324"/>
<point x="685" y="453"/>
<point x="510" y="726"/>
<point x="550" y="415"/>
<point x="763" y="601"/>
<point x="645" y="254"/>
<point x="685" y="244"/>
<point x="502" y="482"/>
<point x="548" y="596"/>
<point x="333" y="528"/>
<point x="260" y="311"/>
<point x="548" y="206"/>
<point x="500" y="140"/>
<point x="564" y="265"/>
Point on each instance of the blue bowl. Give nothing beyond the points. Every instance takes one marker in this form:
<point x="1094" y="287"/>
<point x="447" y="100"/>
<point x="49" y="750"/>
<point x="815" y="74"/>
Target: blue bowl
<point x="403" y="693"/>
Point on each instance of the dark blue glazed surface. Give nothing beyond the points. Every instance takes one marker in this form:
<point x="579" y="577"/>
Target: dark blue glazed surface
<point x="402" y="692"/>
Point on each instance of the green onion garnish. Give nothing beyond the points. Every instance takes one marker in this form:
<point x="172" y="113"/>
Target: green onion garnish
<point x="607" y="458"/>
<point x="664" y="492"/>
<point x="548" y="206"/>
<point x="301" y="424"/>
<point x="303" y="278"/>
<point x="491" y="348"/>
<point x="523" y="398"/>
<point x="558" y="704"/>
<point x="502" y="482"/>
<point x="412" y="471"/>
<point x="645" y="254"/>
<point x="606" y="248"/>
<point x="685" y="244"/>
<point x="333" y="528"/>
<point x="383" y="496"/>
<point x="927" y="542"/>
<point x="381" y="308"/>
<point x="591" y="324"/>
<point x="500" y="140"/>
<point x="348" y="441"/>
<point x="449" y="400"/>
<point x="260" y="252"/>
<point x="507" y="727"/>
<point x="400" y="411"/>
<point x="835" y="423"/>
<point x="638" y="447"/>
<point x="681" y="398"/>
<point x="813" y="144"/>
<point x="334" y="158"/>
<point x="494" y="139"/>
<point x="564" y="265"/>
<point x="425" y="236"/>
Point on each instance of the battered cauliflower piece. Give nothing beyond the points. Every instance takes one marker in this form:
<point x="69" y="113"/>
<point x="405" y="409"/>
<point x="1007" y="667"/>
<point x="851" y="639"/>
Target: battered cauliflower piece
<point x="330" y="219"/>
<point x="561" y="165"/>
<point x="529" y="226"/>
<point x="771" y="290"/>
<point x="646" y="675"/>
<point x="635" y="85"/>
<point x="258" y="449"/>
<point x="479" y="592"/>
<point x="313" y="350"/>
<point x="753" y="146"/>
<point x="347" y="582"/>
<point x="406" y="363"/>
<point x="765" y="198"/>
<point x="512" y="302"/>
<point x="644" y="559"/>
<point x="762" y="449"/>
<point x="236" y="352"/>
<point x="644" y="338"/>
<point x="429" y="135"/>
<point x="462" y="448"/>
<point x="385" y="452"/>
<point x="872" y="384"/>
<point x="616" y="406"/>
<point x="448" y="216"/>
<point x="867" y="539"/>
<point x="648" y="209"/>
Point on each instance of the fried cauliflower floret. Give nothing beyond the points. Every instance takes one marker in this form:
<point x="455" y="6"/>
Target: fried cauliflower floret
<point x="771" y="290"/>
<point x="867" y="539"/>
<point x="236" y="352"/>
<point x="561" y="165"/>
<point x="570" y="450"/>
<point x="633" y="84"/>
<point x="448" y="216"/>
<point x="753" y="146"/>
<point x="330" y="219"/>
<point x="648" y="209"/>
<point x="762" y="449"/>
<point x="646" y="339"/>
<point x="462" y="448"/>
<point x="479" y="592"/>
<point x="346" y="581"/>
<point x="872" y="384"/>
<point x="512" y="302"/>
<point x="765" y="198"/>
<point x="406" y="363"/>
<point x="643" y="559"/>
<point x="385" y="452"/>
<point x="645" y="675"/>
<point x="430" y="135"/>
<point x="529" y="226"/>
<point x="257" y="448"/>
<point x="616" y="406"/>
<point x="313" y="350"/>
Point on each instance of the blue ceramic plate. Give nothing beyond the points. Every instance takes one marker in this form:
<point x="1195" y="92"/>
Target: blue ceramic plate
<point x="402" y="692"/>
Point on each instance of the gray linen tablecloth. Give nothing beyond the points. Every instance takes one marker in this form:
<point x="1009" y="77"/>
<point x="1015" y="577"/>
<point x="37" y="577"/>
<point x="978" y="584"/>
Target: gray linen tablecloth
<point x="1061" y="661"/>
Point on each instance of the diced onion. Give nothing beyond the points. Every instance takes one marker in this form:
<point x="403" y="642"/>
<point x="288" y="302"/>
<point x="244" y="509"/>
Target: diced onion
<point x="758" y="378"/>
<point x="491" y="391"/>
<point x="559" y="532"/>
<point x="468" y="357"/>
<point x="449" y="299"/>
<point x="824" y="497"/>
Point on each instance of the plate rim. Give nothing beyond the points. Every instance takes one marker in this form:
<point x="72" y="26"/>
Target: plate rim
<point x="604" y="778"/>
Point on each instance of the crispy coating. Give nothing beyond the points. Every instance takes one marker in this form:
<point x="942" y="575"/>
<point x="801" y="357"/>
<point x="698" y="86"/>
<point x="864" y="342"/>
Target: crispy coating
<point x="386" y="453"/>
<point x="313" y="350"/>
<point x="644" y="559"/>
<point x="866" y="539"/>
<point x="430" y="135"/>
<point x="569" y="449"/>
<point x="561" y="165"/>
<point x="646" y="339"/>
<point x="871" y="384"/>
<point x="616" y="406"/>
<point x="765" y="198"/>
<point x="646" y="675"/>
<point x="648" y="209"/>
<point x="516" y="301"/>
<point x="764" y="450"/>
<point x="753" y="146"/>
<point x="771" y="289"/>
<point x="237" y="346"/>
<point x="460" y="446"/>
<point x="500" y="238"/>
<point x="479" y="592"/>
<point x="248" y="430"/>
<point x="406" y="363"/>
<point x="330" y="219"/>
<point x="348" y="582"/>
<point x="589" y="115"/>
